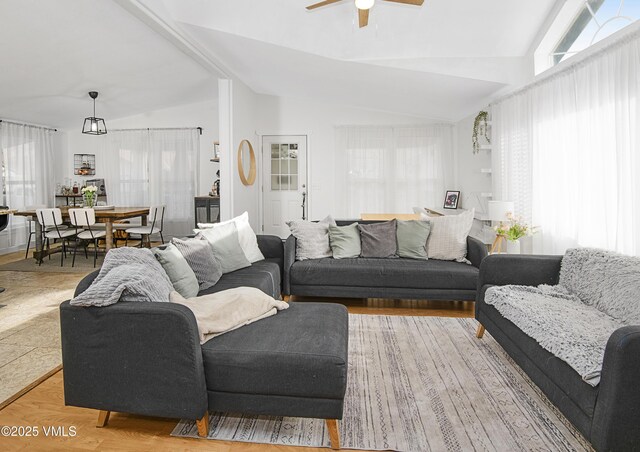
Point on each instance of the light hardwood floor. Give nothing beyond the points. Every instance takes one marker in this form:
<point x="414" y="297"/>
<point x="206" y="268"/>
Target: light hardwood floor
<point x="43" y="405"/>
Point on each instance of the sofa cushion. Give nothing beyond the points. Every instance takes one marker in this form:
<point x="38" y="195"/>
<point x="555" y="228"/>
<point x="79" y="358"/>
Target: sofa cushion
<point x="345" y="241"/>
<point x="401" y="272"/>
<point x="379" y="239"/>
<point x="300" y="352"/>
<point x="263" y="275"/>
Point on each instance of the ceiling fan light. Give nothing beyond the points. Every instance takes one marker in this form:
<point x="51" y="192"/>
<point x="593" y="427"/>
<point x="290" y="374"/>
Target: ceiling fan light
<point x="365" y="4"/>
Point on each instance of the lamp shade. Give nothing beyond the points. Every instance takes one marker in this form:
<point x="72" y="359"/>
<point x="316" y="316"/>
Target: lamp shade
<point x="498" y="210"/>
<point x="93" y="125"/>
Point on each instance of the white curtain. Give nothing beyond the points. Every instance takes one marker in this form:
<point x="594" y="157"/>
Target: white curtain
<point x="154" y="167"/>
<point x="392" y="169"/>
<point x="567" y="152"/>
<point x="27" y="163"/>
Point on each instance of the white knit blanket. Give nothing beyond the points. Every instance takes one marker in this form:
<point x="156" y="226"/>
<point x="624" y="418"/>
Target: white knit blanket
<point x="599" y="292"/>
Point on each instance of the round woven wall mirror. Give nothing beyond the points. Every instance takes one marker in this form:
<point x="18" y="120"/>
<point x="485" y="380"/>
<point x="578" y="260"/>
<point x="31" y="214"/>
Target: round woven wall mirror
<point x="246" y="154"/>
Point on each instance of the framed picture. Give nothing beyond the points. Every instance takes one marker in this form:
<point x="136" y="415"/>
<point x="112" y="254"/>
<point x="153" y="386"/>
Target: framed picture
<point x="451" y="199"/>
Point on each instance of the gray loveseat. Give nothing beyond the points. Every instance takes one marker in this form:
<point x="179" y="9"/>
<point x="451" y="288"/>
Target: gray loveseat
<point x="382" y="278"/>
<point x="146" y="358"/>
<point x="608" y="415"/>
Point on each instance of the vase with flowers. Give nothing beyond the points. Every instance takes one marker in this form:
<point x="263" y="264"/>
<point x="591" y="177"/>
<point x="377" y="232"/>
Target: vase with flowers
<point x="512" y="231"/>
<point x="89" y="194"/>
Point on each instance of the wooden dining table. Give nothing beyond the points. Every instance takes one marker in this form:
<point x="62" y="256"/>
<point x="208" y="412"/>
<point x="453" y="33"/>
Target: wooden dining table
<point x="108" y="217"/>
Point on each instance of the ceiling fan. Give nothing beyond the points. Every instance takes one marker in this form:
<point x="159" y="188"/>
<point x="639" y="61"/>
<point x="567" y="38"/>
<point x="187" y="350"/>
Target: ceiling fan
<point x="363" y="7"/>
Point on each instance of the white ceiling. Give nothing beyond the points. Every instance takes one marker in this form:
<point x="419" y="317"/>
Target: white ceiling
<point x="54" y="52"/>
<point x="442" y="60"/>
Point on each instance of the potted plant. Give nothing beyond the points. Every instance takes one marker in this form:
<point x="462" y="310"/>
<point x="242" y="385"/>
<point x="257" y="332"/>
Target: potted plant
<point x="480" y="129"/>
<point x="513" y="230"/>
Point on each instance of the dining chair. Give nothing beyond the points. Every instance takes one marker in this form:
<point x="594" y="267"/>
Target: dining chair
<point x="32" y="229"/>
<point x="51" y="222"/>
<point x="156" y="215"/>
<point x="85" y="218"/>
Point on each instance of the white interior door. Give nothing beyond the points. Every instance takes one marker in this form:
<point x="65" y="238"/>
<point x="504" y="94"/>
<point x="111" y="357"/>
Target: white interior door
<point x="284" y="186"/>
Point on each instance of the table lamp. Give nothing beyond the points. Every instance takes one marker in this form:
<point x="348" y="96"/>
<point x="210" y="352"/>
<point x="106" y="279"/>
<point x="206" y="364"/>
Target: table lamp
<point x="498" y="211"/>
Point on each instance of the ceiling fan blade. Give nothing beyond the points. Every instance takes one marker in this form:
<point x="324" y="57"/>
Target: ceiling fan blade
<point x="363" y="17"/>
<point x="325" y="3"/>
<point x="408" y="2"/>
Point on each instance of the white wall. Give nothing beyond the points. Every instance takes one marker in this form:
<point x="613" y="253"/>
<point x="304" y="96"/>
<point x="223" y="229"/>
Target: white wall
<point x="469" y="179"/>
<point x="287" y="116"/>
<point x="202" y="114"/>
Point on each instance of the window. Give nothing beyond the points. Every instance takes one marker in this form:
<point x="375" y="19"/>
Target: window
<point x="392" y="169"/>
<point x="595" y="20"/>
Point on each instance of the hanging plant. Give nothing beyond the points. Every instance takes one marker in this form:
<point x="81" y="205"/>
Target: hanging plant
<point x="480" y="128"/>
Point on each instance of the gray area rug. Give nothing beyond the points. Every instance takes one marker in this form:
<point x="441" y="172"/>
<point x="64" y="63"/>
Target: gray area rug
<point x="82" y="265"/>
<point x="420" y="384"/>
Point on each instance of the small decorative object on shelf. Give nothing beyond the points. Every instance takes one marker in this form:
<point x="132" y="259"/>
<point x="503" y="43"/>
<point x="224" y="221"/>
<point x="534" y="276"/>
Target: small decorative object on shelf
<point x="451" y="199"/>
<point x="512" y="231"/>
<point x="89" y="195"/>
<point x="480" y="129"/>
<point x="84" y="164"/>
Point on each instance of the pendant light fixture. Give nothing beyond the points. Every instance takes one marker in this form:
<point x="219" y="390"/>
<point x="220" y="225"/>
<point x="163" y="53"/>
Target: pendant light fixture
<point x="93" y="125"/>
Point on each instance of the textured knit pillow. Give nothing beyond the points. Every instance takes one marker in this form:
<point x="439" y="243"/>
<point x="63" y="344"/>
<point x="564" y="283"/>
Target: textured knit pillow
<point x="448" y="238"/>
<point x="226" y="247"/>
<point x="378" y="239"/>
<point x="200" y="258"/>
<point x="412" y="238"/>
<point x="177" y="268"/>
<point x="246" y="236"/>
<point x="345" y="241"/>
<point x="312" y="239"/>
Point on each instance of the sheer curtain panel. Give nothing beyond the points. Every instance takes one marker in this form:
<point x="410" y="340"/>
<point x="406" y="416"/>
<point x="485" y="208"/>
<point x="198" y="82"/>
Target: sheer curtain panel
<point x="153" y="167"/>
<point x="567" y="152"/>
<point x="27" y="176"/>
<point x="389" y="169"/>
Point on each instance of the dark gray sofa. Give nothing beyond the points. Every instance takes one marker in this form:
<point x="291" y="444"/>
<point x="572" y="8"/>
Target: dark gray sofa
<point x="146" y="358"/>
<point x="382" y="278"/>
<point x="608" y="415"/>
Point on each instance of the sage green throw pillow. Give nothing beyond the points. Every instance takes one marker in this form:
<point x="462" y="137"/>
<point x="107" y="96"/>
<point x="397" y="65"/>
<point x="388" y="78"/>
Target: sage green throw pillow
<point x="226" y="247"/>
<point x="345" y="241"/>
<point x="177" y="269"/>
<point x="412" y="238"/>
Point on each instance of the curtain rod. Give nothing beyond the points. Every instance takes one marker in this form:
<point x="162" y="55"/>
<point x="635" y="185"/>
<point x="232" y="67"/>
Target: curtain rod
<point x="28" y="125"/>
<point x="159" y="128"/>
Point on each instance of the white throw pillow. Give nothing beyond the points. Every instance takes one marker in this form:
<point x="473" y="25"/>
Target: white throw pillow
<point x="448" y="238"/>
<point x="246" y="236"/>
<point x="312" y="239"/>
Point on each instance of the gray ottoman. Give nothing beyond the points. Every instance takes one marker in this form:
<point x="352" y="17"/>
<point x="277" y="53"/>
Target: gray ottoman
<point x="291" y="364"/>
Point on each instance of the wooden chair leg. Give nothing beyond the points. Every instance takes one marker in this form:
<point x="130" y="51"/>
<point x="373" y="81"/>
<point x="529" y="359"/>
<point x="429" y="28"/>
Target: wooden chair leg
<point x="480" y="331"/>
<point x="286" y="298"/>
<point x="334" y="435"/>
<point x="203" y="425"/>
<point x="103" y="418"/>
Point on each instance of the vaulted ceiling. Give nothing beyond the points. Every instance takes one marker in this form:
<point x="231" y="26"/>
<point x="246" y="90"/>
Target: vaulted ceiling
<point x="442" y="60"/>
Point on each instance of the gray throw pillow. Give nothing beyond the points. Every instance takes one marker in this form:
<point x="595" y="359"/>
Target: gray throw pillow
<point x="182" y="277"/>
<point x="225" y="244"/>
<point x="200" y="258"/>
<point x="345" y="241"/>
<point x="312" y="239"/>
<point x="378" y="239"/>
<point x="412" y="238"/>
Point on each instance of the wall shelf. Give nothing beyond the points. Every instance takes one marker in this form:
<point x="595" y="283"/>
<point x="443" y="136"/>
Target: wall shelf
<point x="486" y="170"/>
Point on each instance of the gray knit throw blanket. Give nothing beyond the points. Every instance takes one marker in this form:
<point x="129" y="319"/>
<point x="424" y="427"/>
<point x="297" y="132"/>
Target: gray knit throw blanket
<point x="127" y="274"/>
<point x="598" y="292"/>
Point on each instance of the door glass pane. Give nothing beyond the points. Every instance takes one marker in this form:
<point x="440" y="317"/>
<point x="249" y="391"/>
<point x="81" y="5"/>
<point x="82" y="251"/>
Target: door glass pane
<point x="275" y="183"/>
<point x="293" y="184"/>
<point x="284" y="151"/>
<point x="275" y="166"/>
<point x="275" y="151"/>
<point x="284" y="182"/>
<point x="293" y="167"/>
